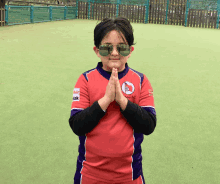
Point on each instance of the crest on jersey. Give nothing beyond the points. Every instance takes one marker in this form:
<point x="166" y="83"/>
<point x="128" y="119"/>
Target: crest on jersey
<point x="76" y="94"/>
<point x="128" y="88"/>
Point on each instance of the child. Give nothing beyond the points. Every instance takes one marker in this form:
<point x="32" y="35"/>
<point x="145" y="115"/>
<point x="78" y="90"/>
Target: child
<point x="112" y="108"/>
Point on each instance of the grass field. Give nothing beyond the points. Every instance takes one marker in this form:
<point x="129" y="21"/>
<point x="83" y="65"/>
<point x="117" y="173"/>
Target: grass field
<point x="39" y="66"/>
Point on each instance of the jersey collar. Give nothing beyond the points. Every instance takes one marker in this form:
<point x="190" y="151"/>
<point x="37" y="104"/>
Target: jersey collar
<point x="107" y="75"/>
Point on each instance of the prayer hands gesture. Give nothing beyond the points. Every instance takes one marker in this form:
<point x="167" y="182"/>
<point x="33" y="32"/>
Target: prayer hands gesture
<point x="113" y="90"/>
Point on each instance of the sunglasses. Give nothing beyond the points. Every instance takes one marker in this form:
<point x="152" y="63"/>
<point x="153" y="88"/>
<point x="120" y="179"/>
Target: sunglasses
<point x="105" y="50"/>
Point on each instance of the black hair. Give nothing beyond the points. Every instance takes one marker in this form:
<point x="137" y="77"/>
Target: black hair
<point x="120" y="24"/>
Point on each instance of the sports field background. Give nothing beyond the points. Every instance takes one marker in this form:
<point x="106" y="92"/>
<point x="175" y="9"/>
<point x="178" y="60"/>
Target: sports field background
<point x="39" y="66"/>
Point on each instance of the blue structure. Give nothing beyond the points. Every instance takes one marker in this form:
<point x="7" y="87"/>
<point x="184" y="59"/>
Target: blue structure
<point x="32" y="14"/>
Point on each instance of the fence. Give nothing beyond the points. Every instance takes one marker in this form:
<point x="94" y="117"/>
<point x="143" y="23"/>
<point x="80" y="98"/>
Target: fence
<point x="2" y="16"/>
<point x="35" y="2"/>
<point x="172" y="12"/>
<point x="204" y="13"/>
<point x="2" y="12"/>
<point x="34" y="14"/>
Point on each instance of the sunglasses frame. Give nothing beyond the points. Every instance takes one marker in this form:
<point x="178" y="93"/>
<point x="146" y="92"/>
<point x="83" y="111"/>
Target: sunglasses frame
<point x="118" y="49"/>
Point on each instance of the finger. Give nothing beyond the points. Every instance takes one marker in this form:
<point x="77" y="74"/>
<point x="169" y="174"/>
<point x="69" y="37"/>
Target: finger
<point x="116" y="73"/>
<point x="113" y="79"/>
<point x="116" y="80"/>
<point x="113" y="73"/>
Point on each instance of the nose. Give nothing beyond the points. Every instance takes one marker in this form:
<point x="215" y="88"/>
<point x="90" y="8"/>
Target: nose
<point x="114" y="51"/>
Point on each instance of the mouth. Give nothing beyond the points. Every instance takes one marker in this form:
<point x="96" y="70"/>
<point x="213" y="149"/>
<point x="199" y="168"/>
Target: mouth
<point x="114" y="59"/>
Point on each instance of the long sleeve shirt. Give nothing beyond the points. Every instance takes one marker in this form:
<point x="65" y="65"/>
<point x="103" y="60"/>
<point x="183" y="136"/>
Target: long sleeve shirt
<point x="140" y="119"/>
<point x="115" y="136"/>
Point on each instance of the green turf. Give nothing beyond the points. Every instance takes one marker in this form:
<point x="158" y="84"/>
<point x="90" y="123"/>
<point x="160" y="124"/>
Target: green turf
<point x="39" y="66"/>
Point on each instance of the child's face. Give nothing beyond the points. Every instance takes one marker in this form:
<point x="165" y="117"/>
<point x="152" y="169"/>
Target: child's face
<point x="114" y="39"/>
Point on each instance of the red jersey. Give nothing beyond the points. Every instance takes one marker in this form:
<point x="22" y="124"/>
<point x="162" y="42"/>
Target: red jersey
<point x="112" y="150"/>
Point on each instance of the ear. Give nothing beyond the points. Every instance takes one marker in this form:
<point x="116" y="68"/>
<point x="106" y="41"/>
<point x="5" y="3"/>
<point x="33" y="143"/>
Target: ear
<point x="132" y="49"/>
<point x="96" y="50"/>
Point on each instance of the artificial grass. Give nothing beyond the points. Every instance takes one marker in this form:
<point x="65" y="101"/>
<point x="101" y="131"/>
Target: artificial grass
<point x="40" y="64"/>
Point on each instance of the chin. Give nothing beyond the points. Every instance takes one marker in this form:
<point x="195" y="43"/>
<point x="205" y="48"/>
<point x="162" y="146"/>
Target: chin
<point x="112" y="65"/>
<point x="110" y="68"/>
<point x="115" y="64"/>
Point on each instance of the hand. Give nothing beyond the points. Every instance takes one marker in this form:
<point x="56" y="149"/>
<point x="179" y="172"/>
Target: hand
<point x="110" y="89"/>
<point x="119" y="97"/>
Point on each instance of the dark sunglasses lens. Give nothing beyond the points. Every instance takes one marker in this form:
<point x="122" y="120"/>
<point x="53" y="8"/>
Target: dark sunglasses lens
<point x="104" y="50"/>
<point x="124" y="50"/>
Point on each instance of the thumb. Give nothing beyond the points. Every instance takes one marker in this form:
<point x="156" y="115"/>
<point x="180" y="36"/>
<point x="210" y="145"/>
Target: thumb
<point x="116" y="73"/>
<point x="117" y="84"/>
<point x="114" y="76"/>
<point x="116" y="79"/>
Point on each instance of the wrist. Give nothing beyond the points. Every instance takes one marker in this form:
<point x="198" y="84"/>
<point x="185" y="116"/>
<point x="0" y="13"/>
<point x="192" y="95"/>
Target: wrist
<point x="107" y="100"/>
<point x="104" y="103"/>
<point x="123" y="103"/>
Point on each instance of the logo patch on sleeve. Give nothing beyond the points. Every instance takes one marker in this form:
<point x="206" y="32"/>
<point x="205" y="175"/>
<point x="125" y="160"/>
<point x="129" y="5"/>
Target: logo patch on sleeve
<point x="76" y="94"/>
<point x="150" y="92"/>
